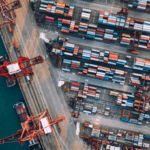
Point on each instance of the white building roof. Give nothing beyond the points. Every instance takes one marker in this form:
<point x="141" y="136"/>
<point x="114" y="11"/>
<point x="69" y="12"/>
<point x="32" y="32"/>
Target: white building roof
<point x="45" y="125"/>
<point x="13" y="68"/>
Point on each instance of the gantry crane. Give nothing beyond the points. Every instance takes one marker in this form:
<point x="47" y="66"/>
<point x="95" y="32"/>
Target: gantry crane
<point x="5" y="10"/>
<point x="34" y="127"/>
<point x="123" y="13"/>
<point x="76" y="113"/>
<point x="21" y="67"/>
<point x="134" y="47"/>
<point x="143" y="99"/>
<point x="145" y="85"/>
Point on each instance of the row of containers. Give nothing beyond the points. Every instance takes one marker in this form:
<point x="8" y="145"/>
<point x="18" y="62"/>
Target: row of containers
<point x="92" y="70"/>
<point x="92" y="31"/>
<point x="131" y="113"/>
<point x="141" y="81"/>
<point x="104" y="17"/>
<point x="142" y="41"/>
<point x="138" y="102"/>
<point x="143" y="5"/>
<point x="78" y="105"/>
<point x="73" y="50"/>
<point x="134" y="117"/>
<point x="112" y="58"/>
<point x="56" y="8"/>
<point x="137" y="140"/>
<point x="87" y="90"/>
<point x="85" y="15"/>
<point x="49" y="19"/>
<point x="120" y="21"/>
<point x="141" y="64"/>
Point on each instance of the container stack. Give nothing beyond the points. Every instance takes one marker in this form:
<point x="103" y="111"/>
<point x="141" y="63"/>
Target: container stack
<point x="91" y="31"/>
<point x="88" y="107"/>
<point x="68" y="49"/>
<point x="129" y="23"/>
<point x="75" y="86"/>
<point x="105" y="59"/>
<point x="144" y="42"/>
<point x="58" y="8"/>
<point x="86" y="54"/>
<point x="49" y="19"/>
<point x="110" y="35"/>
<point x="101" y="17"/>
<point x="72" y="25"/>
<point x="92" y="69"/>
<point x="134" y="79"/>
<point x="125" y="39"/>
<point x="120" y="21"/>
<point x="75" y="64"/>
<point x="140" y="4"/>
<point x="85" y="15"/>
<point x="146" y="26"/>
<point x="66" y="65"/>
<point x="138" y="79"/>
<point x="117" y="76"/>
<point x="59" y="23"/>
<point x="138" y="25"/>
<point x="76" y="50"/>
<point x="111" y="20"/>
<point x="82" y="31"/>
<point x="76" y="27"/>
<point x="112" y="58"/>
<point x="68" y="10"/>
<point x="95" y="55"/>
<point x="99" y="34"/>
<point x="65" y="25"/>
<point x="141" y="64"/>
<point x="125" y="100"/>
<point x="89" y="91"/>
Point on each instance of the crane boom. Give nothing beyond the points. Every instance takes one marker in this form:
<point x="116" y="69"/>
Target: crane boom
<point x="21" y="67"/>
<point x="34" y="127"/>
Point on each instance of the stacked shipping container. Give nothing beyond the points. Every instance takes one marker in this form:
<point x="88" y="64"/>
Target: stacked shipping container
<point x="94" y="55"/>
<point x="140" y="5"/>
<point x="56" y="8"/>
<point x="89" y="91"/>
<point x="141" y="64"/>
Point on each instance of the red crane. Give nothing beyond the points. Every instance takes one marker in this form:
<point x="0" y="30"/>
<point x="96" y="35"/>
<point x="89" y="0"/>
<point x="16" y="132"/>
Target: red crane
<point x="5" y="10"/>
<point x="21" y="67"/>
<point x="34" y="127"/>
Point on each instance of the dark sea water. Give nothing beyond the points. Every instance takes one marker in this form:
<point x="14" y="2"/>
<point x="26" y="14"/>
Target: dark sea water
<point x="9" y="121"/>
